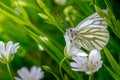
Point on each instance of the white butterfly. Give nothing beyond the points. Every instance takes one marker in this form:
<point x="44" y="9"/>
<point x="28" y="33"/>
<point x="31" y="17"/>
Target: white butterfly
<point x="90" y="34"/>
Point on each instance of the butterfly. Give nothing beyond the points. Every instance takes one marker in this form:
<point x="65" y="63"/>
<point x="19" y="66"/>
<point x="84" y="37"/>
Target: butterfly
<point x="90" y="34"/>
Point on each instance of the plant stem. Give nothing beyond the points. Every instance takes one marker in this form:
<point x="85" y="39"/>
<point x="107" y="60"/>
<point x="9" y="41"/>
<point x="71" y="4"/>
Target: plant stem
<point x="8" y="67"/>
<point x="55" y="75"/>
<point x="60" y="67"/>
<point x="47" y="12"/>
<point x="90" y="76"/>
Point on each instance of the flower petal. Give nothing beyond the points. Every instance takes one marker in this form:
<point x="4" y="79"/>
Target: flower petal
<point x="2" y="47"/>
<point x="79" y="60"/>
<point x="79" y="69"/>
<point x="9" y="45"/>
<point x="88" y="72"/>
<point x="36" y="73"/>
<point x="40" y="73"/>
<point x="75" y="51"/>
<point x="23" y="73"/>
<point x="16" y="78"/>
<point x="8" y="48"/>
<point x="67" y="40"/>
<point x="76" y="69"/>
<point x="98" y="65"/>
<point x="14" y="48"/>
<point x="81" y="53"/>
<point x="94" y="56"/>
<point x="74" y="64"/>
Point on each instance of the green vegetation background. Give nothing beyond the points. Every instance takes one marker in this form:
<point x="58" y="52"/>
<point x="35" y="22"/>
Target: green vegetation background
<point x="54" y="29"/>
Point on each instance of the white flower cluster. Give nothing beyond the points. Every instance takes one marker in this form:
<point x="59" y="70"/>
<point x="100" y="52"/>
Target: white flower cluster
<point x="88" y="64"/>
<point x="6" y="55"/>
<point x="83" y="62"/>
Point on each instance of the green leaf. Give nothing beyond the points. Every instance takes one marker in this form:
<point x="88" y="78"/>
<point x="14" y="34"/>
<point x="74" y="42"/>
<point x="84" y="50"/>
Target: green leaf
<point x="114" y="75"/>
<point x="112" y="61"/>
<point x="111" y="18"/>
<point x="100" y="11"/>
<point x="23" y="11"/>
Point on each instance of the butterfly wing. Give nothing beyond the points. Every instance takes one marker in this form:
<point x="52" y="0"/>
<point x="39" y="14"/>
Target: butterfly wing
<point x="91" y="38"/>
<point x="93" y="20"/>
<point x="91" y="33"/>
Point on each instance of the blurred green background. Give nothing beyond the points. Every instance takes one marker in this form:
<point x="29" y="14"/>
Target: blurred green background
<point x="67" y="15"/>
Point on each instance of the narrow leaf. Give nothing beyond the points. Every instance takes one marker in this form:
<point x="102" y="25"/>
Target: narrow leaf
<point x="112" y="61"/>
<point x="115" y="76"/>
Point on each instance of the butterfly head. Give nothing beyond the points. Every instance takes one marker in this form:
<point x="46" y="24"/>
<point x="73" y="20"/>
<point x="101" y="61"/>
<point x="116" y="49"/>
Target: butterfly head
<point x="71" y="33"/>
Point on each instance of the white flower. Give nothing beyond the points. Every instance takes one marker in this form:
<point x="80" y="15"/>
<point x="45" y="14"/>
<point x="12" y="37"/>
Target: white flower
<point x="60" y="2"/>
<point x="35" y="73"/>
<point x="88" y="64"/>
<point x="71" y="49"/>
<point x="7" y="51"/>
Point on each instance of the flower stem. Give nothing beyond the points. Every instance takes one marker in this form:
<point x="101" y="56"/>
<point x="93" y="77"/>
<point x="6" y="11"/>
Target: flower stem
<point x="9" y="71"/>
<point x="91" y="76"/>
<point x="55" y="75"/>
<point x="71" y="23"/>
<point x="60" y="67"/>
